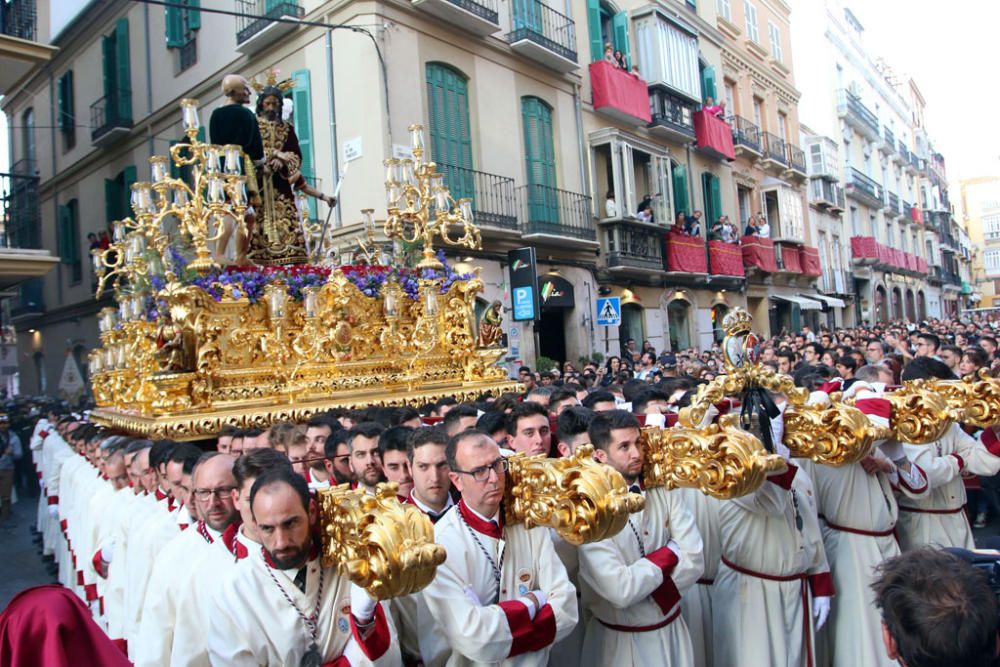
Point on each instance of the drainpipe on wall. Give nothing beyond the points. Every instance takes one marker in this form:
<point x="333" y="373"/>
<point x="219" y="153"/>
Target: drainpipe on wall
<point x="334" y="153"/>
<point x="55" y="194"/>
<point x="581" y="142"/>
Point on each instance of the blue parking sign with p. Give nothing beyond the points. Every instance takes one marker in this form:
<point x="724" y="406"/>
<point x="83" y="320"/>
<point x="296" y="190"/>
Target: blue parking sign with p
<point x="609" y="311"/>
<point x="524" y="303"/>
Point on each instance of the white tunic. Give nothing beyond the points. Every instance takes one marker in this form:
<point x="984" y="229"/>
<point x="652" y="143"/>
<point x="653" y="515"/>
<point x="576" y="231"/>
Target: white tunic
<point x="484" y="625"/>
<point x="170" y="575"/>
<point x="771" y="553"/>
<point x="251" y="623"/>
<point x="632" y="584"/>
<point x="857" y="516"/>
<point x="939" y="519"/>
<point x="696" y="604"/>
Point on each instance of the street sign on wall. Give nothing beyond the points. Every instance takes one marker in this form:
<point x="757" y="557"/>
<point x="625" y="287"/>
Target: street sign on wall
<point x="609" y="311"/>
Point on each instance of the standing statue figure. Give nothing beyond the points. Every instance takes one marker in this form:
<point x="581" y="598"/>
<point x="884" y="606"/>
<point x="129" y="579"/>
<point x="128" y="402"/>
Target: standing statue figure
<point x="277" y="238"/>
<point x="491" y="326"/>
<point x="234" y="124"/>
<point x="170" y="352"/>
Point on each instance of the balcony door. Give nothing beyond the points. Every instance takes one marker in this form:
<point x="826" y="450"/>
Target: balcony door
<point x="451" y="140"/>
<point x="539" y="153"/>
<point x="528" y="15"/>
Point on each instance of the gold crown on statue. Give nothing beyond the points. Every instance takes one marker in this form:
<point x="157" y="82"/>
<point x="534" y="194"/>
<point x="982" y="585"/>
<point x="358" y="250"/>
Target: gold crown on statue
<point x="737" y="322"/>
<point x="272" y="82"/>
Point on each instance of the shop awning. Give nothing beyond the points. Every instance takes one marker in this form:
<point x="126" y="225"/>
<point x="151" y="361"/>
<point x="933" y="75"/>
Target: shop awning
<point x="828" y="300"/>
<point x="804" y="303"/>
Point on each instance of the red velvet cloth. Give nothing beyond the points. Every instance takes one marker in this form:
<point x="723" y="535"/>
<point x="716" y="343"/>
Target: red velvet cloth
<point x="685" y="253"/>
<point x="620" y="91"/>
<point x="864" y="247"/>
<point x="917" y="215"/>
<point x="921" y="265"/>
<point x="50" y="626"/>
<point x="726" y="259"/>
<point x="713" y="133"/>
<point x="790" y="258"/>
<point x="810" y="262"/>
<point x="760" y="253"/>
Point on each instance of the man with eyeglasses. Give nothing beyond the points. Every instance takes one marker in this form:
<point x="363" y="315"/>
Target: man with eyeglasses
<point x="503" y="593"/>
<point x="632" y="583"/>
<point x="212" y="495"/>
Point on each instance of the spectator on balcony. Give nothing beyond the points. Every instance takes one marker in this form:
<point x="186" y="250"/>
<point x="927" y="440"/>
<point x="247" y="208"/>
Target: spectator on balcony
<point x="751" y="228"/>
<point x="679" y="222"/>
<point x="717" y="110"/>
<point x="635" y="72"/>
<point x="729" y="233"/>
<point x="610" y="207"/>
<point x="609" y="53"/>
<point x="715" y="231"/>
<point x="645" y="210"/>
<point x="692" y="224"/>
<point x="763" y="227"/>
<point x="619" y="59"/>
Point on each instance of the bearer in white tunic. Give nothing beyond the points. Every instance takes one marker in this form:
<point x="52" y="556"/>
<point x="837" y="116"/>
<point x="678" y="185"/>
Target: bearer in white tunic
<point x="502" y="597"/>
<point x="632" y="583"/>
<point x="696" y="603"/>
<point x="285" y="609"/>
<point x="212" y="488"/>
<point x="858" y="511"/>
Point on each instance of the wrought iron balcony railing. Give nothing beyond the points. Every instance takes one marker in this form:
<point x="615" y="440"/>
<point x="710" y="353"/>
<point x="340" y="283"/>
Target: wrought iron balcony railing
<point x="20" y="217"/>
<point x="858" y="112"/>
<point x="493" y="200"/>
<point x="796" y="158"/>
<point x="255" y="15"/>
<point x="890" y="138"/>
<point x="774" y="148"/>
<point x="18" y="18"/>
<point x="745" y="133"/>
<point x="631" y="246"/>
<point x="554" y="212"/>
<point x="536" y="21"/>
<point x="865" y="184"/>
<point x="110" y="112"/>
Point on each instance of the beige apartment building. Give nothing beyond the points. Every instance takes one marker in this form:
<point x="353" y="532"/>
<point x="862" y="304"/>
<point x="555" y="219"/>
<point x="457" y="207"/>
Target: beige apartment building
<point x="980" y="214"/>
<point x="521" y="111"/>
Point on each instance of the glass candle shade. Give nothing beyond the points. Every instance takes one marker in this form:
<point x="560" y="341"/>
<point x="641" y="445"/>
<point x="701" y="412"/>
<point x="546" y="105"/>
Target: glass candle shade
<point x="310" y="301"/>
<point x="465" y="208"/>
<point x="234" y="161"/>
<point x="216" y="190"/>
<point x="159" y="168"/>
<point x="189" y="114"/>
<point x="180" y="197"/>
<point x="97" y="257"/>
<point x="277" y="298"/>
<point x="212" y="159"/>
<point x="417" y="137"/>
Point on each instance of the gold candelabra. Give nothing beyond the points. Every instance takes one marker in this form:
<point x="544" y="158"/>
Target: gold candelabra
<point x="421" y="205"/>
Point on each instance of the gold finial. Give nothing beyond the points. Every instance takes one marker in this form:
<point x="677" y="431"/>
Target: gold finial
<point x="271" y="81"/>
<point x="737" y="322"/>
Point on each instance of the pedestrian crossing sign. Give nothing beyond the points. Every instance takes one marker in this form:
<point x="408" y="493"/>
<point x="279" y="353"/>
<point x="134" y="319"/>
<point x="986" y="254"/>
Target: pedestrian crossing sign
<point x="609" y="311"/>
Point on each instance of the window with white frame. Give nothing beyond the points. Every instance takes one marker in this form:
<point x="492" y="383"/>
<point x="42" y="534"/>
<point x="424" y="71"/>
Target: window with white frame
<point x="774" y="34"/>
<point x="724" y="9"/>
<point x="750" y="13"/>
<point x="669" y="54"/>
<point x="991" y="227"/>
<point x="991" y="260"/>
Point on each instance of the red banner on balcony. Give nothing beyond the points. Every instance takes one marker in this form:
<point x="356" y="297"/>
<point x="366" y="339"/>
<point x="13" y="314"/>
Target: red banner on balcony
<point x="810" y="262"/>
<point x="864" y="247"/>
<point x="759" y="252"/>
<point x="911" y="262"/>
<point x="921" y="265"/>
<point x="726" y="259"/>
<point x="685" y="253"/>
<point x="790" y="258"/>
<point x="714" y="134"/>
<point x="619" y="93"/>
<point x="916" y="215"/>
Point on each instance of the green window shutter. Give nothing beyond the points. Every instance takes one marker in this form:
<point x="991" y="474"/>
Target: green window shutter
<point x="108" y="64"/>
<point x="594" y="30"/>
<point x="193" y="14"/>
<point x="65" y="93"/>
<point x="123" y="72"/>
<point x="175" y="26"/>
<point x="450" y="134"/>
<point x="539" y="153"/>
<point x="619" y="28"/>
<point x="273" y="4"/>
<point x="129" y="176"/>
<point x="708" y="84"/>
<point x="62" y="234"/>
<point x="302" y="117"/>
<point x="715" y="197"/>
<point x="112" y="199"/>
<point x="527" y="15"/>
<point x="680" y="190"/>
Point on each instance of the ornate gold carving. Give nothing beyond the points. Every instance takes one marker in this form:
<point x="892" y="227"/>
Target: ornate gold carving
<point x="377" y="542"/>
<point x="582" y="500"/>
<point x="720" y="460"/>
<point x="835" y="435"/>
<point x="920" y="414"/>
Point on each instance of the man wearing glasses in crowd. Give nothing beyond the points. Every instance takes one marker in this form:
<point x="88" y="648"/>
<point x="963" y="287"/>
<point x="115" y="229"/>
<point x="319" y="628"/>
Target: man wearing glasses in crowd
<point x="508" y="594"/>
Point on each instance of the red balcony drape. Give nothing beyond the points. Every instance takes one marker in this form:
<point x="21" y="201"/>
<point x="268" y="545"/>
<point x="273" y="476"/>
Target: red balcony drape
<point x="726" y="259"/>
<point x="810" y="262"/>
<point x="713" y="133"/>
<point x="790" y="258"/>
<point x="759" y="252"/>
<point x="864" y="247"/>
<point x="619" y="91"/>
<point x="685" y="253"/>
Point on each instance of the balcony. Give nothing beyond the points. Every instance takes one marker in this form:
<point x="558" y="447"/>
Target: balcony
<point x="19" y="50"/>
<point x="21" y="256"/>
<point x="261" y="23"/>
<point x="904" y="154"/>
<point x="634" y="248"/>
<point x="672" y="116"/>
<point x="758" y="254"/>
<point x="915" y="165"/>
<point x="864" y="249"/>
<point x="746" y="137"/>
<point x="857" y="115"/>
<point x="543" y="35"/>
<point x="888" y="145"/>
<point x="809" y="257"/>
<point x="477" y="17"/>
<point x="892" y="208"/>
<point x="863" y="189"/>
<point x="619" y="94"/>
<point x="685" y="255"/>
<point x="788" y="258"/>
<point x="774" y="151"/>
<point x="826" y="195"/>
<point x="111" y="118"/>
<point x="556" y="216"/>
<point x="714" y="136"/>
<point x="796" y="162"/>
<point x="494" y="204"/>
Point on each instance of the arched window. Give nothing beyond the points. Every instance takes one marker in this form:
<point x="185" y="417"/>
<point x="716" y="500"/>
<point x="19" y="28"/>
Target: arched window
<point x="451" y="140"/>
<point x="540" y="158"/>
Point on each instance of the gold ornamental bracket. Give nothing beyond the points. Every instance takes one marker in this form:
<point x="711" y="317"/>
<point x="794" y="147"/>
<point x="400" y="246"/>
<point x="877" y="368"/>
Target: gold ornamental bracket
<point x="720" y="460"/>
<point x="377" y="542"/>
<point x="582" y="500"/>
<point x="834" y="435"/>
<point x="977" y="395"/>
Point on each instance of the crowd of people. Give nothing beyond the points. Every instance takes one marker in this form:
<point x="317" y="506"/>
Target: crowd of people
<point x="196" y="555"/>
